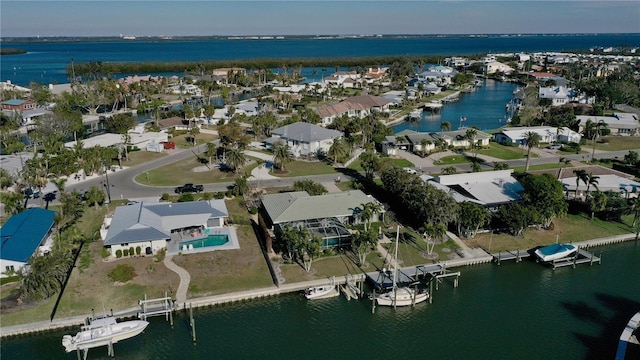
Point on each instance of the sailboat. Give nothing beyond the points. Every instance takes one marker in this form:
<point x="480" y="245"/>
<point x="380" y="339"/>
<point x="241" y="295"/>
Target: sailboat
<point x="400" y="296"/>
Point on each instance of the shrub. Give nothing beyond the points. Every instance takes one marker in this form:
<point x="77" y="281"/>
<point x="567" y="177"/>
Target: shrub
<point x="138" y="250"/>
<point x="118" y="253"/>
<point x="122" y="273"/>
<point x="228" y="194"/>
<point x="219" y="195"/>
<point x="105" y="253"/>
<point x="131" y="251"/>
<point x="125" y="252"/>
<point x="253" y="210"/>
<point x="164" y="197"/>
<point x="207" y="196"/>
<point x="186" y="197"/>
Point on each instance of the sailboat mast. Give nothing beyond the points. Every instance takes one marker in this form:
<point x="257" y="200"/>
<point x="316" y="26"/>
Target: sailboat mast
<point x="395" y="258"/>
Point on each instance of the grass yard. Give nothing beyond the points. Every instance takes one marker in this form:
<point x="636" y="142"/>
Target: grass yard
<point x="503" y="152"/>
<point x="220" y="272"/>
<point x="571" y="228"/>
<point x="540" y="167"/>
<point x="181" y="142"/>
<point x="141" y="157"/>
<point x="305" y="168"/>
<point x="453" y="159"/>
<point x="615" y="143"/>
<point x="400" y="162"/>
<point x="321" y="268"/>
<point x="181" y="172"/>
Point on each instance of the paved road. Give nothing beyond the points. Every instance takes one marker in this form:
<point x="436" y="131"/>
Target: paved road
<point x="122" y="184"/>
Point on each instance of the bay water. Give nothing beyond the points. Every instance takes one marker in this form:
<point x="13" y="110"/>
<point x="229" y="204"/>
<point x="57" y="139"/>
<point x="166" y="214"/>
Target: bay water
<point x="46" y="61"/>
<point x="511" y="311"/>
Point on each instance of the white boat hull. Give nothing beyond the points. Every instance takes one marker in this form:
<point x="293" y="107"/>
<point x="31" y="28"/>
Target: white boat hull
<point x="319" y="292"/>
<point x="94" y="336"/>
<point x="567" y="251"/>
<point x="401" y="297"/>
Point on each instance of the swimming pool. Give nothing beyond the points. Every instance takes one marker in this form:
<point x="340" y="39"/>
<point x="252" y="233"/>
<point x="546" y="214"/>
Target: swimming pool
<point x="209" y="241"/>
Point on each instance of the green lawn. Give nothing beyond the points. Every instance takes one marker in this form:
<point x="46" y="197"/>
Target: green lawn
<point x="503" y="152"/>
<point x="615" y="143"/>
<point x="539" y="167"/>
<point x="141" y="157"/>
<point x="357" y="166"/>
<point x="181" y="172"/>
<point x="571" y="228"/>
<point x="304" y="168"/>
<point x="453" y="159"/>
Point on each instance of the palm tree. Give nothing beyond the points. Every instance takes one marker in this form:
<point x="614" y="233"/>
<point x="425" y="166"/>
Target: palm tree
<point x="281" y="155"/>
<point x="211" y="151"/>
<point x="236" y="159"/>
<point x="634" y="206"/>
<point x="594" y="129"/>
<point x="445" y="126"/>
<point x="592" y="180"/>
<point x="368" y="210"/>
<point x="241" y="186"/>
<point x="95" y="195"/>
<point x="471" y="135"/>
<point x="564" y="162"/>
<point x="337" y="150"/>
<point x="432" y="232"/>
<point x="531" y="139"/>
<point x="581" y="175"/>
<point x="597" y="202"/>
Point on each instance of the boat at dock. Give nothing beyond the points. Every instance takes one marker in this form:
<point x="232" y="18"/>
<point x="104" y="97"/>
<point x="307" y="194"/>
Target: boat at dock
<point x="101" y="332"/>
<point x="555" y="252"/>
<point x="320" y="292"/>
<point x="400" y="296"/>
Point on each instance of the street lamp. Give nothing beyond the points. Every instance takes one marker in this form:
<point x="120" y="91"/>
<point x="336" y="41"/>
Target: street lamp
<point x="106" y="175"/>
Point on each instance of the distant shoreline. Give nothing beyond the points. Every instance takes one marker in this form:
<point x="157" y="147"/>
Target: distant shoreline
<point x="273" y="37"/>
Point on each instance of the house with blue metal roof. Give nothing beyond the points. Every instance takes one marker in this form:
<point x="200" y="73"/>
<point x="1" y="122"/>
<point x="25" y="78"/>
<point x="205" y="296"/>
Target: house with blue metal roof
<point x="24" y="235"/>
<point x="156" y="226"/>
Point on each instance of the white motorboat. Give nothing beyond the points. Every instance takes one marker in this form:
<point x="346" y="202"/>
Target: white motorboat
<point x="400" y="296"/>
<point x="555" y="252"/>
<point x="319" y="292"/>
<point x="101" y="332"/>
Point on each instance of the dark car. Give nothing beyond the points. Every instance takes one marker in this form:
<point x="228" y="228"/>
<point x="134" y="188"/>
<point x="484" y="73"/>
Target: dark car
<point x="189" y="188"/>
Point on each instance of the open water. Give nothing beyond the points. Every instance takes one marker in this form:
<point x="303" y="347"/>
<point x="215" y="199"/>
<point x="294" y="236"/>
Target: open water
<point x="46" y="62"/>
<point x="512" y="311"/>
<point x="484" y="108"/>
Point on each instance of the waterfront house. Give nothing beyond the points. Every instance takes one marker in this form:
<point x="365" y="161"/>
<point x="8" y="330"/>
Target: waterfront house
<point x="490" y="189"/>
<point x="548" y="134"/>
<point x="493" y="67"/>
<point x="152" y="227"/>
<point x="304" y="138"/>
<point x="24" y="235"/>
<point x="559" y="95"/>
<point x="415" y="141"/>
<point x="624" y="124"/>
<point x="627" y="187"/>
<point x="324" y="216"/>
<point x="355" y="106"/>
<point x="347" y="79"/>
<point x="224" y="72"/>
<point x="25" y="110"/>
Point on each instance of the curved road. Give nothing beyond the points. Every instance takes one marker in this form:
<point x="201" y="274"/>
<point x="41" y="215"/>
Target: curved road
<point x="123" y="184"/>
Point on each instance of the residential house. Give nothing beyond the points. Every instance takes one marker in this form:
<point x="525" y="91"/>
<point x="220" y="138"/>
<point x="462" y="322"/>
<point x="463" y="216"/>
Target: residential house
<point x="487" y="188"/>
<point x="24" y="235"/>
<point x="26" y="110"/>
<point x="324" y="216"/>
<point x="624" y="124"/>
<point x="415" y="141"/>
<point x="347" y="79"/>
<point x="224" y="72"/>
<point x="355" y="106"/>
<point x="304" y="138"/>
<point x="548" y="134"/>
<point x="172" y="226"/>
<point x="628" y="188"/>
<point x="559" y="95"/>
<point x="493" y="67"/>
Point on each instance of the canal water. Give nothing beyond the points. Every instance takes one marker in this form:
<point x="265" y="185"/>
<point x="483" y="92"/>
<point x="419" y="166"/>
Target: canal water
<point x="484" y="108"/>
<point x="511" y="311"/>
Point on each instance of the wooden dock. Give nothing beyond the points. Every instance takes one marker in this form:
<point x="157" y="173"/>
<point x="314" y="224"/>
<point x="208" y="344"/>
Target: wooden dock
<point x="516" y="255"/>
<point x="581" y="257"/>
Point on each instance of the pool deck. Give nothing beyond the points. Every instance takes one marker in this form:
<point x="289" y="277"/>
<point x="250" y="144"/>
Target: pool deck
<point x="174" y="248"/>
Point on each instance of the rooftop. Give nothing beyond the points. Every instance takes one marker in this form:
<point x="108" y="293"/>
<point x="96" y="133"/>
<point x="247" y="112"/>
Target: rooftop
<point x="22" y="233"/>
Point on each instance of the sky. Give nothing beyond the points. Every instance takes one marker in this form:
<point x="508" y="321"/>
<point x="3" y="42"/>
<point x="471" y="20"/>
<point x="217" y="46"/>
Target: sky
<point x="321" y="17"/>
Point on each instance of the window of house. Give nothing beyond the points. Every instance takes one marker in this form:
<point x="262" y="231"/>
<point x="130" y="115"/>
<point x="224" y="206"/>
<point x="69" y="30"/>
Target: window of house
<point x="9" y="268"/>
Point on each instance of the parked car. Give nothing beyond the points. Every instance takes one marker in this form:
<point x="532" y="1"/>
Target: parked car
<point x="410" y="170"/>
<point x="555" y="146"/>
<point x="189" y="188"/>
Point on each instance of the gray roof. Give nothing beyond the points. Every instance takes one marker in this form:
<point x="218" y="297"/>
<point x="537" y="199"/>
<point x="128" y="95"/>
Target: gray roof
<point x="306" y="132"/>
<point x="154" y="221"/>
<point x="297" y="206"/>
